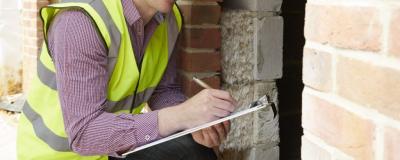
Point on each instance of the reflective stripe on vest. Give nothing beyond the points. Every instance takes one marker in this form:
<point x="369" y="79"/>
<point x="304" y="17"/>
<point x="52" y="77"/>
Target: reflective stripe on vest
<point x="54" y="141"/>
<point x="48" y="78"/>
<point x="46" y="75"/>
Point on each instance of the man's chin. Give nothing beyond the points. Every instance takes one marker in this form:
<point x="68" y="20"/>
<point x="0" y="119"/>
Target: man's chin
<point x="165" y="10"/>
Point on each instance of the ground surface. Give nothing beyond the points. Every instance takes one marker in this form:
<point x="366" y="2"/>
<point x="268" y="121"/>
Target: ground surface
<point x="8" y="134"/>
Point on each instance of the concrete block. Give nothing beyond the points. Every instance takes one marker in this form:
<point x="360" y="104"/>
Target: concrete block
<point x="234" y="154"/>
<point x="251" y="46"/>
<point x="256" y="153"/>
<point x="254" y="5"/>
<point x="257" y="128"/>
<point x="266" y="124"/>
<point x="240" y="136"/>
<point x="269" y="48"/>
<point x="237" y="46"/>
<point x="264" y="152"/>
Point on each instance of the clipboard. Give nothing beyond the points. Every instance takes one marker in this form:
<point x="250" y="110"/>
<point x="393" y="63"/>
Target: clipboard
<point x="254" y="106"/>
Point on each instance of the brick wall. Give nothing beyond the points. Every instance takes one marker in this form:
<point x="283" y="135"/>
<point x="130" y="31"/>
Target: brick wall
<point x="200" y="43"/>
<point x="351" y="69"/>
<point x="32" y="38"/>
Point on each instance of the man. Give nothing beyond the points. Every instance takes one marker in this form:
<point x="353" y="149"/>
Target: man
<point x="101" y="63"/>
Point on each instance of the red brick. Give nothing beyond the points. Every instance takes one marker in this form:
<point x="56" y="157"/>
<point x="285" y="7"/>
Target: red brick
<point x="312" y="151"/>
<point x="34" y="5"/>
<point x="200" y="62"/>
<point x="202" y="38"/>
<point x="33" y="41"/>
<point x="317" y="69"/>
<point x="394" y="35"/>
<point x="349" y="27"/>
<point x="29" y="14"/>
<point x="32" y="23"/>
<point x="190" y="88"/>
<point x="369" y="85"/>
<point x="32" y="33"/>
<point x="31" y="50"/>
<point x="392" y="141"/>
<point x="338" y="127"/>
<point x="208" y="13"/>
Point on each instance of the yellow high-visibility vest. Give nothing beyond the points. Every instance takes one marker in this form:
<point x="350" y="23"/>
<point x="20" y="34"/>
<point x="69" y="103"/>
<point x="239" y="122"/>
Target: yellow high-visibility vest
<point x="41" y="132"/>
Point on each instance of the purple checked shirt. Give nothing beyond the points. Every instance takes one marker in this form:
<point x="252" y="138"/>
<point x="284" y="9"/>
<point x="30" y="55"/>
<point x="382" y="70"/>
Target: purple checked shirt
<point x="80" y="58"/>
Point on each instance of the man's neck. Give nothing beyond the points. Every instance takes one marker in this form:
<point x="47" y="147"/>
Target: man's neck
<point x="145" y="10"/>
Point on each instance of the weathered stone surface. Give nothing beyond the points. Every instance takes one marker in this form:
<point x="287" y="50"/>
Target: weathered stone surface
<point x="260" y="152"/>
<point x="264" y="152"/>
<point x="255" y="5"/>
<point x="257" y="128"/>
<point x="238" y="31"/>
<point x="252" y="45"/>
<point x="266" y="124"/>
<point x="269" y="44"/>
<point x="251" y="61"/>
<point x="241" y="134"/>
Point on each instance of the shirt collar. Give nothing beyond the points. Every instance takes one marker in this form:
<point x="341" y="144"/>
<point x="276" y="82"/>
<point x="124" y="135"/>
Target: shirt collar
<point x="132" y="14"/>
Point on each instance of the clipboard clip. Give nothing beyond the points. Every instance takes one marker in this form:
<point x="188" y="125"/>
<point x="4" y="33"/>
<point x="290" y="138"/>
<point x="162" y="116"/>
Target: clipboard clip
<point x="264" y="100"/>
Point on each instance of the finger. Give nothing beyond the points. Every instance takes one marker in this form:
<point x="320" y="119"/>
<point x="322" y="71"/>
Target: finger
<point x="227" y="126"/>
<point x="221" y="132"/>
<point x="213" y="135"/>
<point x="223" y="95"/>
<point x="207" y="139"/>
<point x="223" y="104"/>
<point x="220" y="113"/>
<point x="198" y="137"/>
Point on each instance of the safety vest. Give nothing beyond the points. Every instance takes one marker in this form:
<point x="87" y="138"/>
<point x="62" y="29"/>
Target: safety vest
<point x="41" y="132"/>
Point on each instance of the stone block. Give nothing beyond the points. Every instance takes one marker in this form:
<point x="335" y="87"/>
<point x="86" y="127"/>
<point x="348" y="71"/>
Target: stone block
<point x="255" y="5"/>
<point x="256" y="153"/>
<point x="264" y="152"/>
<point x="237" y="46"/>
<point x="266" y="123"/>
<point x="241" y="134"/>
<point x="251" y="46"/>
<point x="257" y="128"/>
<point x="269" y="44"/>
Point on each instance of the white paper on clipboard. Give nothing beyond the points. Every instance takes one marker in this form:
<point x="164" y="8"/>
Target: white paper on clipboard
<point x="257" y="105"/>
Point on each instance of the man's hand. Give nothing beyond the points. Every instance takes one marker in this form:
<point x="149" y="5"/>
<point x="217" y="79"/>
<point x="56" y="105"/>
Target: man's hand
<point x="206" y="106"/>
<point x="212" y="136"/>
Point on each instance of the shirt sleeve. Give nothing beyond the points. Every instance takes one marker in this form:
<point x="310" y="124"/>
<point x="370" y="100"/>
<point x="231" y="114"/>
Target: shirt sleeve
<point x="80" y="58"/>
<point x="169" y="90"/>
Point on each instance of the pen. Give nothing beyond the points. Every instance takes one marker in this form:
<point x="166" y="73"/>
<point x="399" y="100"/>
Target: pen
<point x="206" y="86"/>
<point x="201" y="83"/>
